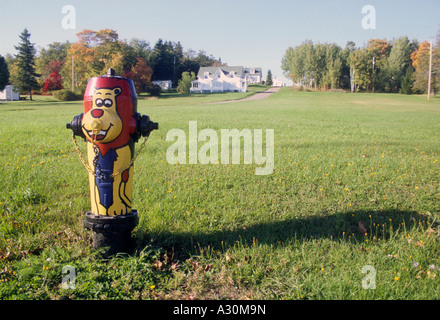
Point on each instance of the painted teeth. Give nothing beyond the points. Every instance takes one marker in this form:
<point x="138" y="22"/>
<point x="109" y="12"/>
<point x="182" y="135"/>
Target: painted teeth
<point x="100" y="132"/>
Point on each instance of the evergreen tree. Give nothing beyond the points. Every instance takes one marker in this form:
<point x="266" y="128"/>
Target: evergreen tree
<point x="407" y="81"/>
<point x="4" y="73"/>
<point x="26" y="79"/>
<point x="269" y="80"/>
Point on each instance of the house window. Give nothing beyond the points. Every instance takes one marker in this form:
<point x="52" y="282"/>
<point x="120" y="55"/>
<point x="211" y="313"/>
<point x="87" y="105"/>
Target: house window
<point x="252" y="70"/>
<point x="195" y="84"/>
<point x="206" y="74"/>
<point x="232" y="73"/>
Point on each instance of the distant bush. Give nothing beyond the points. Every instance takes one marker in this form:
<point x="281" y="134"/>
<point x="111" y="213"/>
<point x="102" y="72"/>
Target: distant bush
<point x="154" y="90"/>
<point x="66" y="95"/>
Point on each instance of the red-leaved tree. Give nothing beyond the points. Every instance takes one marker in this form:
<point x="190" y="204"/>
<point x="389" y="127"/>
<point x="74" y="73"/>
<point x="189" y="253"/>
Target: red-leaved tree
<point x="53" y="82"/>
<point x="141" y="75"/>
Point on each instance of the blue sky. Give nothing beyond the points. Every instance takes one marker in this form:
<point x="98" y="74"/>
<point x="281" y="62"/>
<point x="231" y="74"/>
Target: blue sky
<point x="240" y="32"/>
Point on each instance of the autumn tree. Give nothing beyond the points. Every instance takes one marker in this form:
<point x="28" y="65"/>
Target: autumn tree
<point x="377" y="51"/>
<point x="420" y="62"/>
<point x="51" y="59"/>
<point x="53" y="82"/>
<point x="92" y="55"/>
<point x="360" y="70"/>
<point x="141" y="75"/>
<point x="83" y="59"/>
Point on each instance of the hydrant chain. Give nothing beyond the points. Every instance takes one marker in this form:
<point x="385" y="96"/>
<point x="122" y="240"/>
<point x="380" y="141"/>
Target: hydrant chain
<point x="95" y="160"/>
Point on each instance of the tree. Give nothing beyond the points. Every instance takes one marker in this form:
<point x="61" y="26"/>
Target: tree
<point x="93" y="54"/>
<point x="185" y="82"/>
<point x="83" y="58"/>
<point x="319" y="65"/>
<point x="4" y="73"/>
<point x="165" y="60"/>
<point x="269" y="80"/>
<point x="51" y="59"/>
<point x="332" y="67"/>
<point x="420" y="62"/>
<point x="398" y="63"/>
<point x="141" y="75"/>
<point x="53" y="82"/>
<point x="293" y="64"/>
<point x="406" y="86"/>
<point x="360" y="68"/>
<point x="377" y="51"/>
<point x="436" y="64"/>
<point x="26" y="77"/>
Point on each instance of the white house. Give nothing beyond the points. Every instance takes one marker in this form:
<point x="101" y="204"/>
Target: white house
<point x="164" y="84"/>
<point x="278" y="83"/>
<point x="220" y="79"/>
<point x="255" y="75"/>
<point x="9" y="94"/>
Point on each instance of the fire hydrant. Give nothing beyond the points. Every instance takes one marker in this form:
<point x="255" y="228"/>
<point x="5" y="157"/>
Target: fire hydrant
<point x="111" y="125"/>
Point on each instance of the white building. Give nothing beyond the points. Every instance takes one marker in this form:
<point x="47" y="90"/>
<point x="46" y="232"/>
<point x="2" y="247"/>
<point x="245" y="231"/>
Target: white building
<point x="278" y="83"/>
<point x="255" y="75"/>
<point x="164" y="84"/>
<point x="9" y="94"/>
<point x="221" y="79"/>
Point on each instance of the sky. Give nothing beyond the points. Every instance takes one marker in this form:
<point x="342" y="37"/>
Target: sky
<point x="252" y="33"/>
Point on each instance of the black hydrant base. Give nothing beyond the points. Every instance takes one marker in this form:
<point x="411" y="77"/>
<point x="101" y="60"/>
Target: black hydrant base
<point x="112" y="233"/>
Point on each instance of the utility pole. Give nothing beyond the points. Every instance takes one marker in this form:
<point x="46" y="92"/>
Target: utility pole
<point x="73" y="73"/>
<point x="374" y="64"/>
<point x="174" y="71"/>
<point x="430" y="72"/>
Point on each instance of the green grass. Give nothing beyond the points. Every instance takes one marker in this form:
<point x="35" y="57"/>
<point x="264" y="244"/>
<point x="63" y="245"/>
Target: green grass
<point x="220" y="231"/>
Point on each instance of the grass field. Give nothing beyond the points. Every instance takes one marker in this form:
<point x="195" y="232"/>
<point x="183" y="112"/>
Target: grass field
<point x="351" y="210"/>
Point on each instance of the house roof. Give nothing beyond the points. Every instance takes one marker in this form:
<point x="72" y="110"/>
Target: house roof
<point x="226" y="70"/>
<point x="257" y="70"/>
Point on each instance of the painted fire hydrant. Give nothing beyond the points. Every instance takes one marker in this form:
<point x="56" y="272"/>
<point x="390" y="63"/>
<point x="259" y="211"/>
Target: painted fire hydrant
<point x="111" y="125"/>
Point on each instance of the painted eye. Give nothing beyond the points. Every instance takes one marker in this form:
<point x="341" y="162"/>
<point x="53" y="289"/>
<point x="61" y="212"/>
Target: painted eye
<point x="99" y="103"/>
<point x="108" y="103"/>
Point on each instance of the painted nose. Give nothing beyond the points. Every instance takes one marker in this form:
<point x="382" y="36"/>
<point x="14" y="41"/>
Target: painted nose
<point x="97" y="113"/>
<point x="96" y="125"/>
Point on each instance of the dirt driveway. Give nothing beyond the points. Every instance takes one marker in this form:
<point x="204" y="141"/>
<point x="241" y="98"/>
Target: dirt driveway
<point x="257" y="96"/>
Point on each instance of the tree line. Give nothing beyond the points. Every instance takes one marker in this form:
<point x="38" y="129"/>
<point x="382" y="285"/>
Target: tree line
<point x="92" y="55"/>
<point x="393" y="66"/>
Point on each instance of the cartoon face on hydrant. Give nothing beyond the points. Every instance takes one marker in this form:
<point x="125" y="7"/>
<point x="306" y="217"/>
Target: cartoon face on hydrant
<point x="110" y="125"/>
<point x="102" y="123"/>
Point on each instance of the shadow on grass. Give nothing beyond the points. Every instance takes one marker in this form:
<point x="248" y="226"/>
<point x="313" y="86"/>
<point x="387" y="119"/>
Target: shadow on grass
<point x="336" y="226"/>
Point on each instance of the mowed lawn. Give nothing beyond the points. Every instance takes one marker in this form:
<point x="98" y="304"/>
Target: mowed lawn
<point x="350" y="211"/>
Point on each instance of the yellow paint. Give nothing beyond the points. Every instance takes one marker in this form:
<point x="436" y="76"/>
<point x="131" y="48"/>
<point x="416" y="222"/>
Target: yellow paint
<point x="122" y="191"/>
<point x="102" y="125"/>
